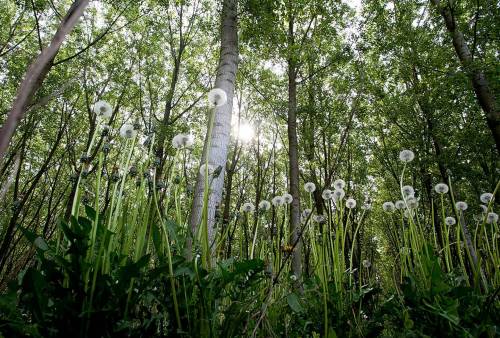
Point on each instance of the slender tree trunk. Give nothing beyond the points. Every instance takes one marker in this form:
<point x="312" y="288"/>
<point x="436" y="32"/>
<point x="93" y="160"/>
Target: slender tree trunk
<point x="231" y="170"/>
<point x="484" y="95"/>
<point x="9" y="232"/>
<point x="37" y="72"/>
<point x="226" y="78"/>
<point x="293" y="153"/>
<point x="160" y="146"/>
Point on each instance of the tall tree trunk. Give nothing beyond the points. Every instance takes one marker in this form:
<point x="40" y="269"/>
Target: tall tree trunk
<point x="484" y="95"/>
<point x="37" y="72"/>
<point x="293" y="152"/>
<point x="226" y="78"/>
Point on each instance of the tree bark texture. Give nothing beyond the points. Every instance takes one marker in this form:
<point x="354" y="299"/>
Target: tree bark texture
<point x="293" y="154"/>
<point x="225" y="79"/>
<point x="484" y="95"/>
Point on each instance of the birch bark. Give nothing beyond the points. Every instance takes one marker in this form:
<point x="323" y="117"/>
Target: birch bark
<point x="225" y="80"/>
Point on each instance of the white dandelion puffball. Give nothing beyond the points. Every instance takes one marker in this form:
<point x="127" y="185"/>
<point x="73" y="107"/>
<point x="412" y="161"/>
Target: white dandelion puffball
<point x="338" y="194"/>
<point x="318" y="218"/>
<point x="400" y="205"/>
<point x="264" y="205"/>
<point x="339" y="184"/>
<point x="388" y="207"/>
<point x="366" y="263"/>
<point x="278" y="201"/>
<point x="182" y="141"/>
<point x="350" y="203"/>
<point x="441" y="188"/>
<point x="486" y="197"/>
<point x="287" y="198"/>
<point x="306" y="212"/>
<point x="491" y="218"/>
<point x="326" y="194"/>
<point x="450" y="220"/>
<point x="187" y="140"/>
<point x="309" y="187"/>
<point x="461" y="206"/>
<point x="103" y="109"/>
<point x="408" y="190"/>
<point x="248" y="207"/>
<point x="293" y="278"/>
<point x="406" y="156"/>
<point x="127" y="131"/>
<point x="366" y="206"/>
<point x="412" y="202"/>
<point x="203" y="169"/>
<point x="217" y="97"/>
<point x="176" y="141"/>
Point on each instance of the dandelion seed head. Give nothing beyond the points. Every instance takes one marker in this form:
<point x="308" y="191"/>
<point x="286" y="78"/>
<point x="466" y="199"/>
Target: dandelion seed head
<point x="338" y="194"/>
<point x="408" y="190"/>
<point x="484" y="208"/>
<point x="491" y="218"/>
<point x="350" y="203"/>
<point x="400" y="204"/>
<point x="450" y="220"/>
<point x="441" y="188"/>
<point x="278" y="201"/>
<point x="339" y="184"/>
<point x="461" y="205"/>
<point x="182" y="141"/>
<point x="103" y="109"/>
<point x="248" y="207"/>
<point x="367" y="263"/>
<point x="176" y="141"/>
<point x="309" y="187"/>
<point x="406" y="156"/>
<point x="412" y="202"/>
<point x="486" y="197"/>
<point x="264" y="205"/>
<point x="127" y="131"/>
<point x="217" y="97"/>
<point x="388" y="207"/>
<point x="366" y="206"/>
<point x="326" y="194"/>
<point x="287" y="198"/>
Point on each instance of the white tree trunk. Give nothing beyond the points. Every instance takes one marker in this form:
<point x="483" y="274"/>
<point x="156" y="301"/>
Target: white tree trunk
<point x="226" y="77"/>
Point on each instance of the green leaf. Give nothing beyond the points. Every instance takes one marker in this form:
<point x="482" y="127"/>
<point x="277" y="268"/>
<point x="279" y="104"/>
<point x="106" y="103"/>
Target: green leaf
<point x="40" y="243"/>
<point x="133" y="270"/>
<point x="91" y="213"/>
<point x="293" y="301"/>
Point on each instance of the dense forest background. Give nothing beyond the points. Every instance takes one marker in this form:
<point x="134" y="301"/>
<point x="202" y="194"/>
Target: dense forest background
<point x="321" y="91"/>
